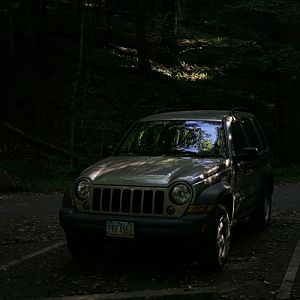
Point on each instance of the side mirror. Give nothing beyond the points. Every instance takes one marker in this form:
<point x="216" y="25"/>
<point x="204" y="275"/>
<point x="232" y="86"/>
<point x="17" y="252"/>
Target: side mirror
<point x="248" y="154"/>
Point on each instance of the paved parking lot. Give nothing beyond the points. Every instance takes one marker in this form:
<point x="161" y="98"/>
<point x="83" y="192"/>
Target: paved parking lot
<point x="34" y="261"/>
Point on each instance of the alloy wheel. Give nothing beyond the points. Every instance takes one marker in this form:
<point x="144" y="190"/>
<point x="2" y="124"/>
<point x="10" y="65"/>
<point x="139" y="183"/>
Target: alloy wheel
<point x="223" y="239"/>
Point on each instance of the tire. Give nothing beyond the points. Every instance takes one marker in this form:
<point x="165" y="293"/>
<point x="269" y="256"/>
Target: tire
<point x="83" y="247"/>
<point x="219" y="241"/>
<point x="262" y="216"/>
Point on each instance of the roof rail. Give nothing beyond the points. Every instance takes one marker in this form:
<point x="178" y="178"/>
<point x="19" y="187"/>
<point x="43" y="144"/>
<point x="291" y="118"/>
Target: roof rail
<point x="239" y="108"/>
<point x="165" y="110"/>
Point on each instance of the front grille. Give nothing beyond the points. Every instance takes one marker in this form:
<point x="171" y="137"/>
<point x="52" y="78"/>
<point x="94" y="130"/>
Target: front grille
<point x="128" y="201"/>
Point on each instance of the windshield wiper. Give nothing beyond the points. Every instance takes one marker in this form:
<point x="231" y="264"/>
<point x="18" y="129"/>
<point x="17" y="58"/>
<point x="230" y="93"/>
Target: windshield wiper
<point x="181" y="152"/>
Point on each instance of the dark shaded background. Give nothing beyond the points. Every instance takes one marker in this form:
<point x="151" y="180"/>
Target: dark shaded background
<point x="75" y="74"/>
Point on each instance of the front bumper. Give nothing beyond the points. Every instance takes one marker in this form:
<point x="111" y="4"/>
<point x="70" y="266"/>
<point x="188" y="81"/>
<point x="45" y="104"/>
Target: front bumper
<point x="190" y="226"/>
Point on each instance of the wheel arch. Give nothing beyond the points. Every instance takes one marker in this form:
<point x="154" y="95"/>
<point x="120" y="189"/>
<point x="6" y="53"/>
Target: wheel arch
<point x="219" y="193"/>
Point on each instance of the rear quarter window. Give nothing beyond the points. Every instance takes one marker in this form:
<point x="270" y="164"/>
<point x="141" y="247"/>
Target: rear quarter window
<point x="251" y="133"/>
<point x="261" y="134"/>
<point x="238" y="138"/>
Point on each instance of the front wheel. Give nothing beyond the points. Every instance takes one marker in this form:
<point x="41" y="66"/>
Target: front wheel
<point x="219" y="241"/>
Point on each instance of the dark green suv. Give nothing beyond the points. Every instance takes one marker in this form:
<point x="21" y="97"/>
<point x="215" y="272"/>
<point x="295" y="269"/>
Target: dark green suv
<point x="188" y="175"/>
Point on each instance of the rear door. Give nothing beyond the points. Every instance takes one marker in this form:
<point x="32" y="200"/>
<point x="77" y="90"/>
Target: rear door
<point x="246" y="172"/>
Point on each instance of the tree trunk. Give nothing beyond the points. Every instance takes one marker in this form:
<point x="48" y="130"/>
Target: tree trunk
<point x="108" y="12"/>
<point x="31" y="140"/>
<point x="30" y="22"/>
<point x="144" y="64"/>
<point x="78" y="6"/>
<point x="169" y="28"/>
<point x="75" y="95"/>
<point x="11" y="32"/>
<point x="43" y="18"/>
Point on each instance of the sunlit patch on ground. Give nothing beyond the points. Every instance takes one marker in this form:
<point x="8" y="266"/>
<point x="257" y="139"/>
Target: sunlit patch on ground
<point x="185" y="72"/>
<point x="212" y="40"/>
<point x="190" y="72"/>
<point x="205" y="40"/>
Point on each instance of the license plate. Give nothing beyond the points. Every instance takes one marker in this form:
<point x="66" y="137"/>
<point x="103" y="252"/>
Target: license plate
<point x="120" y="229"/>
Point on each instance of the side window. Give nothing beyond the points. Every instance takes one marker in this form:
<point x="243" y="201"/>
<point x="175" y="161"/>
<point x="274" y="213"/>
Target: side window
<point x="238" y="137"/>
<point x="251" y="134"/>
<point x="261" y="135"/>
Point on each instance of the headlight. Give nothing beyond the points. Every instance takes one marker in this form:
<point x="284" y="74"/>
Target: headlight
<point x="82" y="189"/>
<point x="180" y="193"/>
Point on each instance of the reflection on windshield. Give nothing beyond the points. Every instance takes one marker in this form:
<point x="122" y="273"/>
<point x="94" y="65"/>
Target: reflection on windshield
<point x="190" y="138"/>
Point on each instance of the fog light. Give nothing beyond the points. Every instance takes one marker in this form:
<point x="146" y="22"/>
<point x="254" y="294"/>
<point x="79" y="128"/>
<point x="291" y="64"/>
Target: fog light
<point x="171" y="210"/>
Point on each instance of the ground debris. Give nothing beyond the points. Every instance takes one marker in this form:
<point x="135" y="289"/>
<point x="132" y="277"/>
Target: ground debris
<point x="267" y="282"/>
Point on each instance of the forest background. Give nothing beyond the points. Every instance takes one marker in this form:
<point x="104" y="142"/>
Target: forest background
<point x="76" y="73"/>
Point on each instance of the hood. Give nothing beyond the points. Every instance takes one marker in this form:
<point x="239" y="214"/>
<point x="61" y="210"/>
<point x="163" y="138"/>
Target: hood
<point x="151" y="171"/>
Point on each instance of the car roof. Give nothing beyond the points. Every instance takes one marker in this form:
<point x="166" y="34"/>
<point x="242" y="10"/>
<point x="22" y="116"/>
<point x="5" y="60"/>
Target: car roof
<point x="205" y="115"/>
<point x="208" y="115"/>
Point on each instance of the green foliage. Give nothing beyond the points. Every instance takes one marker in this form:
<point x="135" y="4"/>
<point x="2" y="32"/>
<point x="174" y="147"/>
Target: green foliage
<point x="230" y="53"/>
<point x="276" y="11"/>
<point x="36" y="175"/>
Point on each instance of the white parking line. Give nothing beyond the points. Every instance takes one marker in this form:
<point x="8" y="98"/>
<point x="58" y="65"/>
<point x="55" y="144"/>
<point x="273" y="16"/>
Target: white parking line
<point x="31" y="255"/>
<point x="288" y="280"/>
<point x="145" y="294"/>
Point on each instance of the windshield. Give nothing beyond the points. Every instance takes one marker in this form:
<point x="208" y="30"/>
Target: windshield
<point x="190" y="138"/>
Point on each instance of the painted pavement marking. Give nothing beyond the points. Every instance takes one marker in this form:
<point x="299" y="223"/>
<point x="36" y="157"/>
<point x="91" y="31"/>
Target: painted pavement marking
<point x="31" y="255"/>
<point x="289" y="278"/>
<point x="145" y="294"/>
